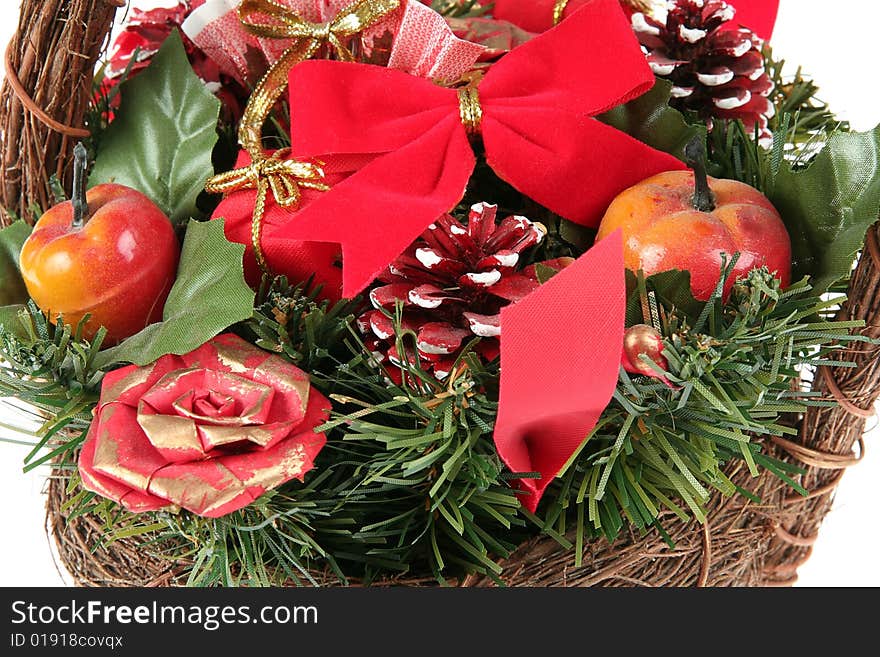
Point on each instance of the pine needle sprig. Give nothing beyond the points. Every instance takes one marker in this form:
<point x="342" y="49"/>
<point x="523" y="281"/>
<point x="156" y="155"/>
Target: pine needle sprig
<point x="290" y="320"/>
<point x="432" y="482"/>
<point x="796" y="95"/>
<point x="736" y="153"/>
<point x="50" y="369"/>
<point x="801" y="125"/>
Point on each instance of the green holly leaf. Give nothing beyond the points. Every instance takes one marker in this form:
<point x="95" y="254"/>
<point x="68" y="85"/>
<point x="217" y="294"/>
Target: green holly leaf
<point x="12" y="238"/>
<point x="829" y="205"/>
<point x="673" y="290"/>
<point x="209" y="295"/>
<point x="161" y="140"/>
<point x="651" y="120"/>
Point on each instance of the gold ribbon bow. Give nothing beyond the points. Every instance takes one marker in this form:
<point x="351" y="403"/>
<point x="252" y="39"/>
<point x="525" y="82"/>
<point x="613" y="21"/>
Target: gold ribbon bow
<point x="285" y="176"/>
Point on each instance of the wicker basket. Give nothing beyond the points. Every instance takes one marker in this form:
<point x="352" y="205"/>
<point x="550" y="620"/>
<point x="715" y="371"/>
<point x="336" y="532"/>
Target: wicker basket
<point x="44" y="98"/>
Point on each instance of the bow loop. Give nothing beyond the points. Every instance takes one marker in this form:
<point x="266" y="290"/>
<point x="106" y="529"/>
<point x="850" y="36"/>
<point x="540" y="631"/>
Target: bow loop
<point x="360" y="15"/>
<point x="285" y="23"/>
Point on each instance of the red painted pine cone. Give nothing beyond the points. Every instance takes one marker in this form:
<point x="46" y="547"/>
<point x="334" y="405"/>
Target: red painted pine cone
<point x="717" y="73"/>
<point x="452" y="284"/>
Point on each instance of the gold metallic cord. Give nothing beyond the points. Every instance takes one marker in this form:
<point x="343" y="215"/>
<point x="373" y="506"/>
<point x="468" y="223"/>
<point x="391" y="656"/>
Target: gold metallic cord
<point x="470" y="109"/>
<point x="257" y="224"/>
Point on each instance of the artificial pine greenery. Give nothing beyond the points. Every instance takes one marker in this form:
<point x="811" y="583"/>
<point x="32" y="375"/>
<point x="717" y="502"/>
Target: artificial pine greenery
<point x="733" y="376"/>
<point x="51" y="369"/>
<point x="409" y="481"/>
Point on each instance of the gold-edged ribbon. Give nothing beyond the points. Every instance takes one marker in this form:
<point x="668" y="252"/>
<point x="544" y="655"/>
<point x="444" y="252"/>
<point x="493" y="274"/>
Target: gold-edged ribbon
<point x="284" y="177"/>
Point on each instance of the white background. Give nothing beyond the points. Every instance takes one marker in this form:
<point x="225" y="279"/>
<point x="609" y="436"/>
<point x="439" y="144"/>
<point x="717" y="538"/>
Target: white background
<point x="834" y="42"/>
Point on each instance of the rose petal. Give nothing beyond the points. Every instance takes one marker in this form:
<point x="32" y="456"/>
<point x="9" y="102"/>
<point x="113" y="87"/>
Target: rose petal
<point x="175" y="392"/>
<point x="122" y="450"/>
<point x="105" y="486"/>
<point x="128" y="384"/>
<point x="220" y="486"/>
<point x="264" y="436"/>
<point x="176" y="438"/>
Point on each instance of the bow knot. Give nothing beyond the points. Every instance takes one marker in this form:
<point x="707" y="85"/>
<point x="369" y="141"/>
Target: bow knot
<point x="286" y="23"/>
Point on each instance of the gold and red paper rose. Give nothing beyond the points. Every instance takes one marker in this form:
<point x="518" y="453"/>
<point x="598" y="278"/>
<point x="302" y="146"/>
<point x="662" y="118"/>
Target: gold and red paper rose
<point x="210" y="431"/>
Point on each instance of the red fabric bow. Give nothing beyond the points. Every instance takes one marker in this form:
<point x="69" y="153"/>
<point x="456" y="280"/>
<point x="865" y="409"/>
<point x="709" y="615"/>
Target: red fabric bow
<point x="537" y="129"/>
<point x="537" y="15"/>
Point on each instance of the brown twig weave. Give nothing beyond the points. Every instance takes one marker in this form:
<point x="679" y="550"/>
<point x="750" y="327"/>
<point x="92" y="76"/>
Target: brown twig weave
<point x="43" y="102"/>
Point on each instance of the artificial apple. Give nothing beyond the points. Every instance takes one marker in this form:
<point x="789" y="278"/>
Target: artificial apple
<point x="686" y="220"/>
<point x="110" y="253"/>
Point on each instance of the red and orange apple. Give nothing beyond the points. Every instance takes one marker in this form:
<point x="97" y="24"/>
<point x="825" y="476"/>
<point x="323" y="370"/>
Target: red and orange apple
<point x="117" y="264"/>
<point x="668" y="225"/>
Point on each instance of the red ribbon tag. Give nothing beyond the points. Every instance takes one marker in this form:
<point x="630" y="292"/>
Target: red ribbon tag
<point x="560" y="358"/>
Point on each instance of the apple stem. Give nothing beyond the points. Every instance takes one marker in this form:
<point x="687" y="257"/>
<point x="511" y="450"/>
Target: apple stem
<point x="695" y="152"/>
<point x="80" y="206"/>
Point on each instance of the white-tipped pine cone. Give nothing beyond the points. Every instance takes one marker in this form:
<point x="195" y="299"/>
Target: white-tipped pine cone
<point x="718" y="73"/>
<point x="453" y="282"/>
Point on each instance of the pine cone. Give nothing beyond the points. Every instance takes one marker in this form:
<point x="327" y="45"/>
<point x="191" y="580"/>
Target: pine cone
<point x="716" y="73"/>
<point x="453" y="282"/>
